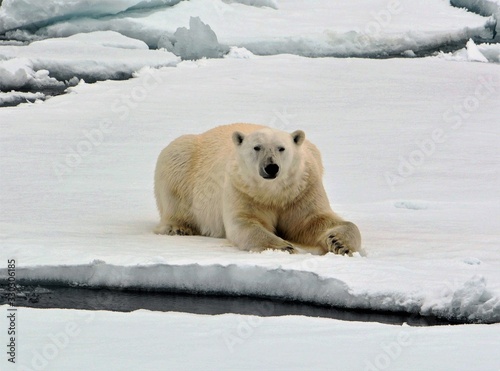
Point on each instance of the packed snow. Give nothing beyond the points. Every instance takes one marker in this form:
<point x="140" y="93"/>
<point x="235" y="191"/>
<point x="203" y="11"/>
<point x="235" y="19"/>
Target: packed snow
<point x="62" y="62"/>
<point x="410" y="153"/>
<point x="475" y="53"/>
<point x="319" y="28"/>
<point x="61" y="32"/>
<point x="143" y="340"/>
<point x="197" y="41"/>
<point x="484" y="8"/>
<point x="21" y="14"/>
<point x="14" y="97"/>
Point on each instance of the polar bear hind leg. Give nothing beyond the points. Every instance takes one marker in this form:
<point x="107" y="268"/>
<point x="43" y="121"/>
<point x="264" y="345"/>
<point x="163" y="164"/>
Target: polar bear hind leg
<point x="171" y="176"/>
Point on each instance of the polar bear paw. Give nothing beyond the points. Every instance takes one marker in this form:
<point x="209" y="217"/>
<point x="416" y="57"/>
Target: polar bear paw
<point x="344" y="239"/>
<point x="337" y="247"/>
<point x="287" y="248"/>
<point x="173" y="230"/>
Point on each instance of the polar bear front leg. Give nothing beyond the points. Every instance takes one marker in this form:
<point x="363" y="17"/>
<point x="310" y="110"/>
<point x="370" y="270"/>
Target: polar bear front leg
<point x="252" y="236"/>
<point x="344" y="239"/>
<point x="248" y="226"/>
<point x="173" y="229"/>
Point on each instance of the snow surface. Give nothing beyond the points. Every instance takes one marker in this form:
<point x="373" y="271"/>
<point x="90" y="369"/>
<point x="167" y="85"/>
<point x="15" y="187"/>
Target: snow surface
<point x="14" y="97"/>
<point x="196" y="28"/>
<point x="482" y="7"/>
<point x="142" y="340"/>
<point x="312" y="28"/>
<point x="475" y="53"/>
<point x="60" y="62"/>
<point x="77" y="191"/>
<point x="16" y="14"/>
<point x="410" y="148"/>
<point x="195" y="42"/>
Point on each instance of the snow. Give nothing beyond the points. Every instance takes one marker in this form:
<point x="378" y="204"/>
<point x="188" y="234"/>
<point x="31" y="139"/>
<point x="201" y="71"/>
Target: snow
<point x="483" y="7"/>
<point x="194" y="29"/>
<point x="163" y="341"/>
<point x="318" y="28"/>
<point x="475" y="53"/>
<point x="15" y="97"/>
<point x="239" y="53"/>
<point x="197" y="42"/>
<point x="17" y="73"/>
<point x="410" y="153"/>
<point x="32" y="14"/>
<point x="93" y="56"/>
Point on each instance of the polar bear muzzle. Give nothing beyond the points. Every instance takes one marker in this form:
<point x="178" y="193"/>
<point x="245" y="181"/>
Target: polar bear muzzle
<point x="269" y="171"/>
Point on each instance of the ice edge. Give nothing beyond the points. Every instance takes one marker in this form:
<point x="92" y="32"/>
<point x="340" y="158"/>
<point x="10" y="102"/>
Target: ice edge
<point x="255" y="281"/>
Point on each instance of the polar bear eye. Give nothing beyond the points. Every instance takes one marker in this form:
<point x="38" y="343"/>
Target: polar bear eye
<point x="281" y="149"/>
<point x="257" y="148"/>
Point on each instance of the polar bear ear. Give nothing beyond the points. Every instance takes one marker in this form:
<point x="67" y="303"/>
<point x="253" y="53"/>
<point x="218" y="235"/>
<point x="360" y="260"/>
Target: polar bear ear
<point x="238" y="138"/>
<point x="298" y="137"/>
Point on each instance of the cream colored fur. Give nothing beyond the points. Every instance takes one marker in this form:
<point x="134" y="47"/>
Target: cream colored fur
<point x="213" y="184"/>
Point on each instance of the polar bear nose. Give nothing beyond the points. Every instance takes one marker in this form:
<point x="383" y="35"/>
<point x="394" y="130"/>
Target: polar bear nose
<point x="272" y="170"/>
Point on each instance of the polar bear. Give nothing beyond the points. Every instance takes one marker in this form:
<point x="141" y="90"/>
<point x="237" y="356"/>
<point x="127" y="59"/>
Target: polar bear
<point x="259" y="187"/>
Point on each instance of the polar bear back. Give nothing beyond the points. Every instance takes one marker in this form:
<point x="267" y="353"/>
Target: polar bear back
<point x="190" y="175"/>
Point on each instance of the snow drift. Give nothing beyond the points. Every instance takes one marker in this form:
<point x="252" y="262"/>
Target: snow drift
<point x="61" y="62"/>
<point x="475" y="53"/>
<point x="484" y="8"/>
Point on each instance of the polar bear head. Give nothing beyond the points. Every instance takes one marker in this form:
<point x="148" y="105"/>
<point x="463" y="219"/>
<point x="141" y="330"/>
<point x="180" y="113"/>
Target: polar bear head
<point x="268" y="153"/>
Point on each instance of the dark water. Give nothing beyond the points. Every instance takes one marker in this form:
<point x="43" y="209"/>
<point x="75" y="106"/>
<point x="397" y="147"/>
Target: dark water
<point x="126" y="301"/>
